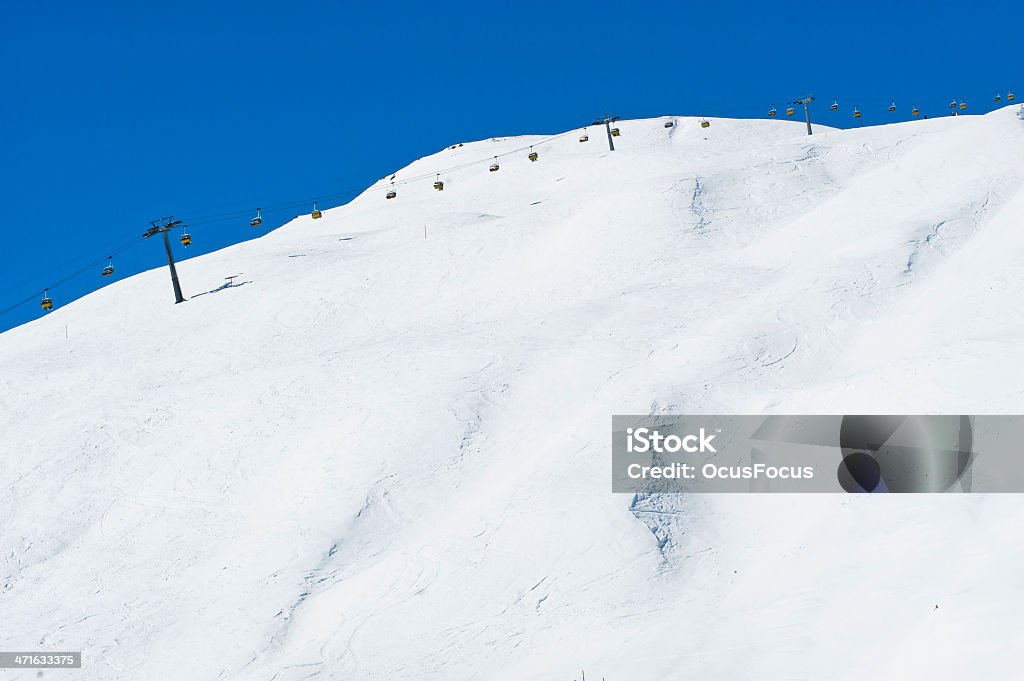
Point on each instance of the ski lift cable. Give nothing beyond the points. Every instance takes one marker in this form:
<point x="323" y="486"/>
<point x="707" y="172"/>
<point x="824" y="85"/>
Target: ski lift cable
<point x="94" y="264"/>
<point x="231" y="215"/>
<point x="351" y="193"/>
<point x="86" y="268"/>
<point x="482" y="161"/>
<point x="219" y="217"/>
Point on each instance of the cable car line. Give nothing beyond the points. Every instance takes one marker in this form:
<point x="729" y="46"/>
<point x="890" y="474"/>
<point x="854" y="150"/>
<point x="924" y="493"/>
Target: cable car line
<point x="231" y="215"/>
<point x="185" y="239"/>
<point x="87" y="268"/>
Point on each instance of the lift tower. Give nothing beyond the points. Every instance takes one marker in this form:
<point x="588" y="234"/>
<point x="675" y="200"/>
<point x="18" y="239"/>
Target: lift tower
<point x="807" y="110"/>
<point x="607" y="121"/>
<point x="162" y="226"/>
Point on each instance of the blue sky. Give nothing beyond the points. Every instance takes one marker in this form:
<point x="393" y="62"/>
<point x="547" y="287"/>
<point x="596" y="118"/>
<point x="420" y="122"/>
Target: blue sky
<point x="117" y="113"/>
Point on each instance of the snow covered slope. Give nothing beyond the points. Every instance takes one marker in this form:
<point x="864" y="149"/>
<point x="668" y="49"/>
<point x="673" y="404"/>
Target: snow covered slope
<point x="385" y="455"/>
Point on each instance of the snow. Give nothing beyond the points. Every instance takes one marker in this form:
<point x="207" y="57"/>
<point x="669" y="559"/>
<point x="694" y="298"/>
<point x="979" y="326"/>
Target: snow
<point x="386" y="456"/>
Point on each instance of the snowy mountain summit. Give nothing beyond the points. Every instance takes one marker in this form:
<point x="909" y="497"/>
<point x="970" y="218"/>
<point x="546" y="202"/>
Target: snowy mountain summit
<point x="384" y="452"/>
